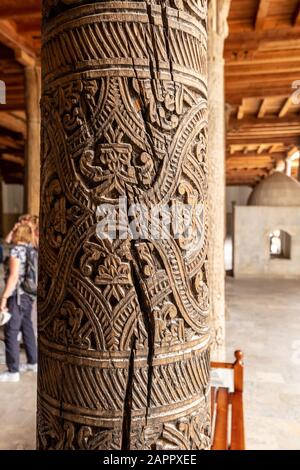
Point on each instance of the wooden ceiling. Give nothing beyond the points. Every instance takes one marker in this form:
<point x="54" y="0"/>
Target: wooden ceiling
<point x="20" y="40"/>
<point x="262" y="61"/>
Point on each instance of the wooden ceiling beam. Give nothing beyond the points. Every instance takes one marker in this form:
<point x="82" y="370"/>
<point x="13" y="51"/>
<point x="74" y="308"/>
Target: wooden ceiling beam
<point x="261" y="15"/>
<point x="13" y="106"/>
<point x="274" y="122"/>
<point x="235" y="95"/>
<point x="286" y="106"/>
<point x="261" y="148"/>
<point x="296" y="17"/>
<point x="274" y="149"/>
<point x="249" y="165"/>
<point x="16" y="10"/>
<point x="263" y="79"/>
<point x="240" y="36"/>
<point x="253" y="69"/>
<point x="15" y="176"/>
<point x="12" y="159"/>
<point x="241" y="110"/>
<point x="13" y="123"/>
<point x="251" y="154"/>
<point x="233" y="139"/>
<point x="262" y="109"/>
<point x="263" y="56"/>
<point x="12" y="39"/>
<point x="24" y="58"/>
<point x="251" y="173"/>
<point x="10" y="142"/>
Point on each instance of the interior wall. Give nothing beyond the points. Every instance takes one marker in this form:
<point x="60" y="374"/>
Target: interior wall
<point x="252" y="227"/>
<point x="235" y="195"/>
<point x="12" y="205"/>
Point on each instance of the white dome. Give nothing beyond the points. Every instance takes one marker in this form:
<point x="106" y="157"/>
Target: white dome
<point x="276" y="190"/>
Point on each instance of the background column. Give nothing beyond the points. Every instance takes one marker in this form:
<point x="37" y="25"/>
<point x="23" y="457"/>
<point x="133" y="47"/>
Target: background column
<point x="217" y="31"/>
<point x="33" y="142"/>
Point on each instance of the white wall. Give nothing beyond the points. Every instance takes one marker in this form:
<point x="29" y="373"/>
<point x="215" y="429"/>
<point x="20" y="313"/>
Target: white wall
<point x="253" y="225"/>
<point x="12" y="205"/>
<point x="237" y="194"/>
<point x="13" y="197"/>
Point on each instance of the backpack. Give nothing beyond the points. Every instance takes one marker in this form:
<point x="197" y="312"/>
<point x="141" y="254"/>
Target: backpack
<point x="29" y="285"/>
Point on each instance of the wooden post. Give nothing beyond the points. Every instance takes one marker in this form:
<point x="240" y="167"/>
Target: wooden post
<point x="33" y="143"/>
<point x="123" y="322"/>
<point x="217" y="31"/>
<point x="1" y="206"/>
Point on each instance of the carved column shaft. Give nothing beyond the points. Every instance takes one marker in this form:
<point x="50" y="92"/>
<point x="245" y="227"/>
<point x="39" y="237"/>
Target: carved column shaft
<point x="33" y="141"/>
<point x="217" y="31"/>
<point x="123" y="323"/>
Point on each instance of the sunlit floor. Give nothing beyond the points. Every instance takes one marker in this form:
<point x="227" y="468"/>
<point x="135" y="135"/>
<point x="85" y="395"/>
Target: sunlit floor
<point x="17" y="411"/>
<point x="263" y="319"/>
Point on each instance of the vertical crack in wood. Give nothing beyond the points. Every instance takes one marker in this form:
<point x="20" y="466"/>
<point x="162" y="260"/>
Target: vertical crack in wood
<point x="127" y="410"/>
<point x="123" y="329"/>
<point x="147" y="313"/>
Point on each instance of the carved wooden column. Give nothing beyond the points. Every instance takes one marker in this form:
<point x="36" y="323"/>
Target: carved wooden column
<point x="217" y="31"/>
<point x="123" y="324"/>
<point x="33" y="142"/>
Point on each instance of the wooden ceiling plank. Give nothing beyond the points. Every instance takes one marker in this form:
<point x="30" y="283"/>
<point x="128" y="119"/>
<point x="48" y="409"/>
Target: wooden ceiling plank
<point x="16" y="10"/>
<point x="12" y="159"/>
<point x="260" y="149"/>
<point x="296" y="17"/>
<point x="263" y="108"/>
<point x="272" y="122"/>
<point x="279" y="139"/>
<point x="274" y="148"/>
<point x="262" y="12"/>
<point x="286" y="106"/>
<point x="13" y="123"/>
<point x="13" y="40"/>
<point x="6" y="141"/>
<point x="241" y="110"/>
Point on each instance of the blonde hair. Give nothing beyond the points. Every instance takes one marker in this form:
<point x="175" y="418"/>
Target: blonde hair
<point x="24" y="218"/>
<point x="22" y="234"/>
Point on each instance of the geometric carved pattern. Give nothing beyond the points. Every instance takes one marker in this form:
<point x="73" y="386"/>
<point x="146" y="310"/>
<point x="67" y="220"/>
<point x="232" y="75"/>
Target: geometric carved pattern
<point x="123" y="327"/>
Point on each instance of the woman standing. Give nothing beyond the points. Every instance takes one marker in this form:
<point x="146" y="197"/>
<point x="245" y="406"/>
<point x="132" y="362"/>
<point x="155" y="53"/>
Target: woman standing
<point x="19" y="304"/>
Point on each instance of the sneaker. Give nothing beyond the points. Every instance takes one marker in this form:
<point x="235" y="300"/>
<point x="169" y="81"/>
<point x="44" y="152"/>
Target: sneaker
<point x="28" y="367"/>
<point x="9" y="376"/>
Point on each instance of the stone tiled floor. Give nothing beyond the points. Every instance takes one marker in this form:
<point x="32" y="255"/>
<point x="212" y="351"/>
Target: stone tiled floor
<point x="17" y="412"/>
<point x="264" y="321"/>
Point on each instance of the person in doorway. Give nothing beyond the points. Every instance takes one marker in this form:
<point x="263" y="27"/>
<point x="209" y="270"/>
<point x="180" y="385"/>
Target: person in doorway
<point x="19" y="304"/>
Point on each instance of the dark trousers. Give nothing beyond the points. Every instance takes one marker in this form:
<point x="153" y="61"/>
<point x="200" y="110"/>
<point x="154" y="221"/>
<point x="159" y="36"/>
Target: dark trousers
<point x="20" y="321"/>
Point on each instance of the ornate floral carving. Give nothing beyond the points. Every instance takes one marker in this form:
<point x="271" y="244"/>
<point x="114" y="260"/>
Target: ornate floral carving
<point x="168" y="328"/>
<point x="123" y="328"/>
